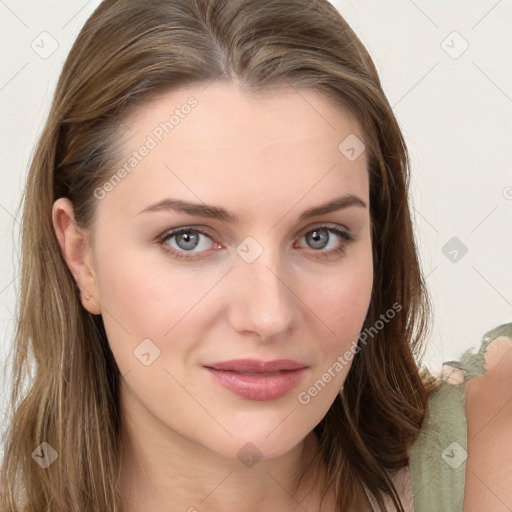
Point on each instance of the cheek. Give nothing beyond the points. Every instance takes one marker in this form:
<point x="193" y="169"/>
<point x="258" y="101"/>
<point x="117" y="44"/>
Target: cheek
<point x="138" y="287"/>
<point x="341" y="298"/>
<point x="137" y="303"/>
<point x="341" y="303"/>
<point x="149" y="298"/>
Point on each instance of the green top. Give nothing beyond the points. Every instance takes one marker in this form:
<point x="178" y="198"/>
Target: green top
<point x="437" y="461"/>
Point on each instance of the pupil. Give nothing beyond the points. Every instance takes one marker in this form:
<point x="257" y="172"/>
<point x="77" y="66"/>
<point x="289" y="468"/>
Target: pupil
<point x="190" y="240"/>
<point x="320" y="238"/>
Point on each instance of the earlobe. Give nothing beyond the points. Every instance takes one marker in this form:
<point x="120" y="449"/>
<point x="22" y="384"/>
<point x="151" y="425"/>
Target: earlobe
<point x="75" y="250"/>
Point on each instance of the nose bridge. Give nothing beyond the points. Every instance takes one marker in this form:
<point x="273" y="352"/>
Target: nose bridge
<point x="264" y="304"/>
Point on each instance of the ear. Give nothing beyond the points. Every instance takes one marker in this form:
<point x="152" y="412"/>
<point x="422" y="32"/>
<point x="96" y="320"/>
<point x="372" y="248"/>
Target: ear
<point x="74" y="245"/>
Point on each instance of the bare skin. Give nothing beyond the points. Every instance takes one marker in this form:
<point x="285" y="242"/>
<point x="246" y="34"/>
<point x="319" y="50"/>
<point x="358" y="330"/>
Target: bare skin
<point x="266" y="159"/>
<point x="489" y="417"/>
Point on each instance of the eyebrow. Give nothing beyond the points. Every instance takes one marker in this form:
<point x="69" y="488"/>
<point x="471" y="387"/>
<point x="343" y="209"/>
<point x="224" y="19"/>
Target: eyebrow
<point x="219" y="213"/>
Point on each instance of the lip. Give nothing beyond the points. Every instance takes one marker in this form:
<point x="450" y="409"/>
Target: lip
<point x="257" y="365"/>
<point x="258" y="380"/>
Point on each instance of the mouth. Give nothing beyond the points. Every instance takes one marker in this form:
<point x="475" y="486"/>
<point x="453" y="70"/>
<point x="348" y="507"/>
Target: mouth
<point x="257" y="366"/>
<point x="259" y="374"/>
<point x="258" y="380"/>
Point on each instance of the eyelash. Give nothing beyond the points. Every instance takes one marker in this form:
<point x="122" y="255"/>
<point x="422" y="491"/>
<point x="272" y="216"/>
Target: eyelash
<point x="182" y="255"/>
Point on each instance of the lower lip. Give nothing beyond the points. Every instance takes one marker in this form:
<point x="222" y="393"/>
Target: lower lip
<point x="258" y="387"/>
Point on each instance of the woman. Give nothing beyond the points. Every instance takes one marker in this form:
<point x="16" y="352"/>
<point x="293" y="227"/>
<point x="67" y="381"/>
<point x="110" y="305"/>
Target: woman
<point x="220" y="283"/>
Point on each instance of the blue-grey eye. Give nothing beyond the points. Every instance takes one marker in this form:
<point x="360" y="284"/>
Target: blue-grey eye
<point x="187" y="240"/>
<point x="319" y="238"/>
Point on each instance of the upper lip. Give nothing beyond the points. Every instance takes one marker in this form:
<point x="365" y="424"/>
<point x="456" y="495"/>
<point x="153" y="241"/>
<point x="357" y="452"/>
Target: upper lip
<point x="257" y="365"/>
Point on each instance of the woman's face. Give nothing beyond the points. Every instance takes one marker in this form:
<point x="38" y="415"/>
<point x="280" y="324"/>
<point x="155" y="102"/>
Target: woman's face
<point x="253" y="275"/>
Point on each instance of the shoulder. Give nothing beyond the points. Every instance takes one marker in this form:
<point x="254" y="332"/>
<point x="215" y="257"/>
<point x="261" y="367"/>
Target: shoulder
<point x="442" y="474"/>
<point x="489" y="418"/>
<point x="439" y="460"/>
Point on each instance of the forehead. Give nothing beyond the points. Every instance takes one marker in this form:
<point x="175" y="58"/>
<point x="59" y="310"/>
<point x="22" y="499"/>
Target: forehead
<point x="222" y="112"/>
<point x="209" y="143"/>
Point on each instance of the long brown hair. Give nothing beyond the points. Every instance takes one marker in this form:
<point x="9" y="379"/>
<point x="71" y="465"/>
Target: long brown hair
<point x="128" y="52"/>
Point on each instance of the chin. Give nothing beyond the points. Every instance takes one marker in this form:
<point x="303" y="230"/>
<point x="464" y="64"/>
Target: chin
<point x="251" y="448"/>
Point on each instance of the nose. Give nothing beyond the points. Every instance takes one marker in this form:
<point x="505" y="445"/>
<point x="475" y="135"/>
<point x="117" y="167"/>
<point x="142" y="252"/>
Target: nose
<point x="264" y="303"/>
